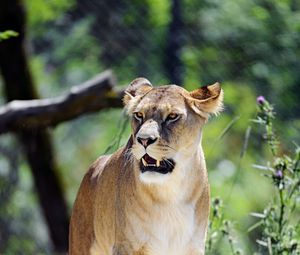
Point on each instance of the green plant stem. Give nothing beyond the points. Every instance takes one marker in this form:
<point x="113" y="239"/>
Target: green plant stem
<point x="231" y="246"/>
<point x="242" y="153"/>
<point x="222" y="134"/>
<point x="294" y="189"/>
<point x="297" y="162"/>
<point x="282" y="211"/>
<point x="210" y="228"/>
<point x="211" y="223"/>
<point x="270" y="136"/>
<point x="270" y="246"/>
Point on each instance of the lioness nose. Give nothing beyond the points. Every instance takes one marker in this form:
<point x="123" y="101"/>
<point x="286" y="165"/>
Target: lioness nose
<point x="146" y="141"/>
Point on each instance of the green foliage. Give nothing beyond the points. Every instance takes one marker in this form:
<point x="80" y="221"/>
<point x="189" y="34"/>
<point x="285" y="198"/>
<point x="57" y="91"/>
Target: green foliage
<point x="219" y="230"/>
<point x="279" y="222"/>
<point x="7" y="34"/>
<point x="251" y="41"/>
<point x="40" y="11"/>
<point x="280" y="219"/>
<point x="159" y="12"/>
<point x="21" y="228"/>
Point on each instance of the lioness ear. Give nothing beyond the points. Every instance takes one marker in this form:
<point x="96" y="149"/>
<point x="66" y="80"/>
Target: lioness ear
<point x="207" y="100"/>
<point x="137" y="87"/>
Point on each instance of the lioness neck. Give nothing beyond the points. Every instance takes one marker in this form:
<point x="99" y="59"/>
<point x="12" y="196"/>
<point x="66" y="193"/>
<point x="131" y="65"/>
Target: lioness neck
<point x="183" y="185"/>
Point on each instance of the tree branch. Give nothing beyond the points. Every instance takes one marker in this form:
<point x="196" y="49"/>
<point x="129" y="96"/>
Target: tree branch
<point x="93" y="95"/>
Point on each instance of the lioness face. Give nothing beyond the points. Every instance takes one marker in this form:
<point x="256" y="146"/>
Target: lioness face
<point x="166" y="125"/>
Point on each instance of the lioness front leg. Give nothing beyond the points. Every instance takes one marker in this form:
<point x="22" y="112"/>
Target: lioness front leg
<point x="122" y="250"/>
<point x="141" y="251"/>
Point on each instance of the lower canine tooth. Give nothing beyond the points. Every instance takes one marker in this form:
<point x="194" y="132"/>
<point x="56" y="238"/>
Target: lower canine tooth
<point x="157" y="163"/>
<point x="144" y="162"/>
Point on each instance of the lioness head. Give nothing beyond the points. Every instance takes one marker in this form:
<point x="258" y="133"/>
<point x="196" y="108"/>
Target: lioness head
<point x="166" y="124"/>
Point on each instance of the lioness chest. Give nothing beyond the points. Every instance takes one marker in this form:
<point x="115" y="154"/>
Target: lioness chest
<point x="168" y="229"/>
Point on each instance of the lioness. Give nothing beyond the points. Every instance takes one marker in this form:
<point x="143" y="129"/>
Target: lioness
<point x="151" y="197"/>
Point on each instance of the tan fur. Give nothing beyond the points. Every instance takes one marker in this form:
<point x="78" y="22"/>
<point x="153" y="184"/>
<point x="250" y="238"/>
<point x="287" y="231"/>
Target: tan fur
<point x="121" y="211"/>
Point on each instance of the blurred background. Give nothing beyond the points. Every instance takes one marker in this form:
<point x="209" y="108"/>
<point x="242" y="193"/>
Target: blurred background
<point x="251" y="47"/>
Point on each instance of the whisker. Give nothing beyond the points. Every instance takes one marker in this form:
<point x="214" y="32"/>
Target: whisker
<point x="168" y="146"/>
<point x="128" y="155"/>
<point x="170" y="163"/>
<point x="128" y="151"/>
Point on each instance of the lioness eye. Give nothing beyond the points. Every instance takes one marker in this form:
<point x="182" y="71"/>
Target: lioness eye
<point x="138" y="116"/>
<point x="172" y="117"/>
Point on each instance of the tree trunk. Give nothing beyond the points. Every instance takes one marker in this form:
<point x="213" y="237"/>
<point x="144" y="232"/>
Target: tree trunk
<point x="37" y="144"/>
<point x="173" y="63"/>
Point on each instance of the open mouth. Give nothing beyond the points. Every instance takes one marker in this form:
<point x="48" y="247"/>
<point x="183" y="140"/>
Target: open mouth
<point x="152" y="165"/>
